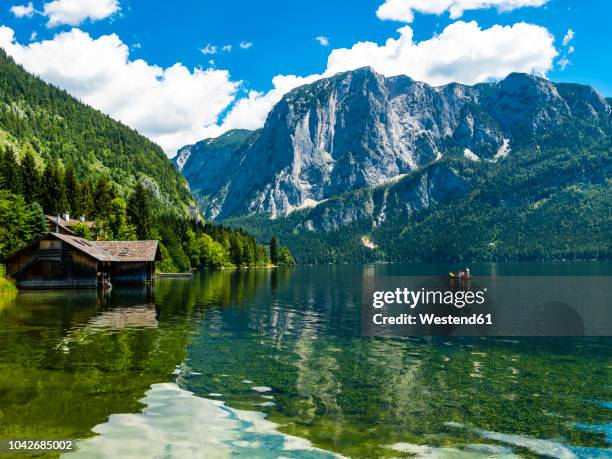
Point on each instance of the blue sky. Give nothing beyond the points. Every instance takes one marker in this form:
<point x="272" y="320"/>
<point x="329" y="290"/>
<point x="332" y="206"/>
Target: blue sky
<point x="283" y="37"/>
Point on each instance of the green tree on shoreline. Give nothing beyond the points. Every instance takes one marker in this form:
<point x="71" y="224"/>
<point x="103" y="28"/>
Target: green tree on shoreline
<point x="280" y="256"/>
<point x="274" y="250"/>
<point x="188" y="243"/>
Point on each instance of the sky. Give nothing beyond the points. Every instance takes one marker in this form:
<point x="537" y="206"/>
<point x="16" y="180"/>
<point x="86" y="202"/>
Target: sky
<point x="179" y="72"/>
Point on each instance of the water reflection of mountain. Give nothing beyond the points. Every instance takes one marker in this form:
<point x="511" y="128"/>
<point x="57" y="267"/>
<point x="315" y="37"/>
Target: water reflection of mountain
<point x="300" y="337"/>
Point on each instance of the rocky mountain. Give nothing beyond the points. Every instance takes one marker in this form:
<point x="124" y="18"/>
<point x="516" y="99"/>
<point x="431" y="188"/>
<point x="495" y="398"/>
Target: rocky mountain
<point x="205" y="163"/>
<point x="359" y="129"/>
<point x="359" y="167"/>
<point x="217" y="149"/>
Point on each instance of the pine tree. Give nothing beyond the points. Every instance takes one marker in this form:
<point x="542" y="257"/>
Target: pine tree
<point x="102" y="198"/>
<point x="117" y="222"/>
<point x="86" y="200"/>
<point x="139" y="212"/>
<point x="54" y="199"/>
<point x="30" y="178"/>
<point x="262" y="256"/>
<point x="36" y="221"/>
<point x="71" y="188"/>
<point x="235" y="250"/>
<point x="274" y="250"/>
<point x="9" y="170"/>
<point x="247" y="255"/>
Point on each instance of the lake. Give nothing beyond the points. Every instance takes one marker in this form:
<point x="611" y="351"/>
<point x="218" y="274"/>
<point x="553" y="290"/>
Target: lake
<point x="270" y="363"/>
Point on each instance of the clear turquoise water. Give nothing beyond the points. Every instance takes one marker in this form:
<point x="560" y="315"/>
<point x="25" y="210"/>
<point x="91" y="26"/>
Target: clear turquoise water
<point x="270" y="363"/>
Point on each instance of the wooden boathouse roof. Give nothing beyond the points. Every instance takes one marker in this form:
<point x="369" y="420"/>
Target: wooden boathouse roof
<point x="91" y="248"/>
<point x="114" y="251"/>
<point x="132" y="250"/>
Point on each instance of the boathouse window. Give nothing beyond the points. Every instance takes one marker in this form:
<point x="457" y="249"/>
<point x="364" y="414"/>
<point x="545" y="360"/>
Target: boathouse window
<point x="50" y="245"/>
<point x="50" y="250"/>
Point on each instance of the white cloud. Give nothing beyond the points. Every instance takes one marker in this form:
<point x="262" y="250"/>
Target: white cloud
<point x="209" y="49"/>
<point x="75" y="12"/>
<point x="323" y="40"/>
<point x="246" y="44"/>
<point x="463" y="52"/>
<point x="564" y="61"/>
<point x="403" y="10"/>
<point x="569" y="36"/>
<point x="251" y="112"/>
<point x="33" y="36"/>
<point x="21" y="11"/>
<point x="226" y="48"/>
<point x="173" y="106"/>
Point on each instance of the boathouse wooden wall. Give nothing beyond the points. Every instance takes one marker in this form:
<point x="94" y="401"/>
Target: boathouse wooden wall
<point x="132" y="272"/>
<point x="53" y="264"/>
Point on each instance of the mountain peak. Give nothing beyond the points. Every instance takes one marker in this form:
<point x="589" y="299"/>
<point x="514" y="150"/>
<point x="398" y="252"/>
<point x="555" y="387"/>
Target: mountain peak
<point x="524" y="76"/>
<point x="523" y="81"/>
<point x="366" y="69"/>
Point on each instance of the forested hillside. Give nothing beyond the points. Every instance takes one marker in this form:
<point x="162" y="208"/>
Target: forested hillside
<point x="536" y="205"/>
<point x="54" y="126"/>
<point x="59" y="155"/>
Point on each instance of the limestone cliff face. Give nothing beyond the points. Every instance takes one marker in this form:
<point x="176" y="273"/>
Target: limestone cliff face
<point x="437" y="183"/>
<point x="359" y="129"/>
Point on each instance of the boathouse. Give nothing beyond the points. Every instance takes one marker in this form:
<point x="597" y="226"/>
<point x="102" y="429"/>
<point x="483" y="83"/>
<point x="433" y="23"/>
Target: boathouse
<point x="64" y="261"/>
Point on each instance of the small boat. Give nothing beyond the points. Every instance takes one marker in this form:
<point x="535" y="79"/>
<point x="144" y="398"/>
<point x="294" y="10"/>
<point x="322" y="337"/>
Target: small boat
<point x="104" y="281"/>
<point x="463" y="275"/>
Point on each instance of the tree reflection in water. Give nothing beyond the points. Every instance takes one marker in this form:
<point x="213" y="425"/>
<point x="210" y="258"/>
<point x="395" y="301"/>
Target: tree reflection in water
<point x="287" y="343"/>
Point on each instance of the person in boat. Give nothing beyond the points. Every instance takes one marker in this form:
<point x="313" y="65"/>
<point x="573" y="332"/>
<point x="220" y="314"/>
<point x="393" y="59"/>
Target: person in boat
<point x="461" y="274"/>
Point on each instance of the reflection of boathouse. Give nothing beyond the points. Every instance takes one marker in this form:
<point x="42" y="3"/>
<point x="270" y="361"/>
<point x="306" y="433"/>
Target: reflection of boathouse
<point x="64" y="261"/>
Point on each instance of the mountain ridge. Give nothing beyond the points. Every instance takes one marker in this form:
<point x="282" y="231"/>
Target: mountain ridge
<point x="358" y="129"/>
<point x="359" y="167"/>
